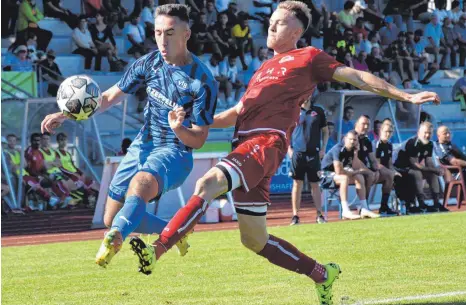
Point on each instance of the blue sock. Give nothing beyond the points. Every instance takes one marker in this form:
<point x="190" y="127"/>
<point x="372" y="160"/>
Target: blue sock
<point x="130" y="215"/>
<point x="151" y="224"/>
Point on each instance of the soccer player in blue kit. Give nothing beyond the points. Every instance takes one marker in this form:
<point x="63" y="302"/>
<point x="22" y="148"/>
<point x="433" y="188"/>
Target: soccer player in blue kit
<point x="182" y="100"/>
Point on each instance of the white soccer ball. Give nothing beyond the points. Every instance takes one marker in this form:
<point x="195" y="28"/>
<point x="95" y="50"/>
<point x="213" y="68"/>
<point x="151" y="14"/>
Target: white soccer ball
<point x="79" y="97"/>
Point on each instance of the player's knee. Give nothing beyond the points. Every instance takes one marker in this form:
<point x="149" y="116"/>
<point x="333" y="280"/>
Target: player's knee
<point x="209" y="185"/>
<point x="253" y="243"/>
<point x="144" y="184"/>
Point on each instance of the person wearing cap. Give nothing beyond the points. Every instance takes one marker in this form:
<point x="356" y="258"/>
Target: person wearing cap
<point x="51" y="72"/>
<point x="389" y="33"/>
<point x="20" y="62"/>
<point x="29" y="16"/>
<point x="460" y="30"/>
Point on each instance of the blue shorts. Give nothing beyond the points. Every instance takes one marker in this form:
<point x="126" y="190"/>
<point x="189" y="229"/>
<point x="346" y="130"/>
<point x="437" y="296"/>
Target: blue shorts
<point x="169" y="165"/>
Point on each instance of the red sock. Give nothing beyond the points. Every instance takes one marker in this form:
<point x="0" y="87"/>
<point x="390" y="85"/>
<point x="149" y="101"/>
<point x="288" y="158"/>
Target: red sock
<point x="183" y="222"/>
<point x="281" y="253"/>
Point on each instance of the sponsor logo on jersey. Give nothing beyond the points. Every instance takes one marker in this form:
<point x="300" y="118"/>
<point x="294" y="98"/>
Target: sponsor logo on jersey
<point x="182" y="84"/>
<point x="160" y="98"/>
<point x="286" y="58"/>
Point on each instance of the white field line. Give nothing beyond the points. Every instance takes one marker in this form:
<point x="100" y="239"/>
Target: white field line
<point x="412" y="298"/>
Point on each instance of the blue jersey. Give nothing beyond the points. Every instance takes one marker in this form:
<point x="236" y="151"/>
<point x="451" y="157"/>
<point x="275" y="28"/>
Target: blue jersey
<point x="191" y="86"/>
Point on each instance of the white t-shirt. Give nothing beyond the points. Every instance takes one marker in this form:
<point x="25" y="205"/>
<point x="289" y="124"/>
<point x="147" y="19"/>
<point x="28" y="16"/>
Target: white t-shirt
<point x="214" y="70"/>
<point x="230" y="72"/>
<point x="82" y="40"/>
<point x="137" y="31"/>
<point x="147" y="15"/>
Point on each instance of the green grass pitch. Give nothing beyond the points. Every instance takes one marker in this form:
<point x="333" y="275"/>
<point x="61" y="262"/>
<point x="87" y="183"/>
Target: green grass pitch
<point x="381" y="259"/>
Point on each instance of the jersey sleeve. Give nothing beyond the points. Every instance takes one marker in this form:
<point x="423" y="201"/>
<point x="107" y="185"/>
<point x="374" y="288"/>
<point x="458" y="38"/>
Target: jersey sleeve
<point x="322" y="67"/>
<point x="205" y="103"/>
<point x="134" y="77"/>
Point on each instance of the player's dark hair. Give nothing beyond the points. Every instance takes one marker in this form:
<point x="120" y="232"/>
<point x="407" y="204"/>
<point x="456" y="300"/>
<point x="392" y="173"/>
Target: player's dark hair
<point x="46" y="134"/>
<point x="11" y="136"/>
<point x="60" y="136"/>
<point x="174" y="10"/>
<point x="348" y="5"/>
<point x="299" y="10"/>
<point x="34" y="135"/>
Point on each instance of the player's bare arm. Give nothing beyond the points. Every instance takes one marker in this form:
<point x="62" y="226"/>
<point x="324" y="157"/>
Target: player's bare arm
<point x="193" y="137"/>
<point x="339" y="170"/>
<point x="366" y="81"/>
<point x="228" y="117"/>
<point x="110" y="97"/>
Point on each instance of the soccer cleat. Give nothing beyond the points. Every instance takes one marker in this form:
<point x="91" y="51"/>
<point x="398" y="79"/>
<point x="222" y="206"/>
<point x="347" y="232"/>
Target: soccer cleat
<point x="110" y="246"/>
<point x="321" y="219"/>
<point x="145" y="253"/>
<point x="386" y="211"/>
<point x="294" y="220"/>
<point x="324" y="290"/>
<point x="365" y="213"/>
<point x="182" y="245"/>
<point x="349" y="215"/>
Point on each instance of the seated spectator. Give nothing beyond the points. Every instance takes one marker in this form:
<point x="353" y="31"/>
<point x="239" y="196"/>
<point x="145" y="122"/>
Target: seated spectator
<point x="440" y="10"/>
<point x="261" y="10"/>
<point x="19" y="62"/>
<point x="448" y="153"/>
<point x="388" y="33"/>
<point x="372" y="41"/>
<point x="359" y="43"/>
<point x="359" y="63"/>
<point x="416" y="47"/>
<point x="196" y="6"/>
<point x="54" y="9"/>
<point x="373" y="15"/>
<point x="455" y="12"/>
<point x="338" y="171"/>
<point x="377" y="64"/>
<point x="460" y="30"/>
<point x="233" y="82"/>
<point x="458" y="92"/>
<point x="29" y="16"/>
<point x="374" y="133"/>
<point x="201" y="41"/>
<point x="451" y="42"/>
<point x="116" y="12"/>
<point x="213" y="65"/>
<point x="243" y="39"/>
<point x="331" y="136"/>
<point x="147" y="17"/>
<point x="434" y="34"/>
<point x="232" y="14"/>
<point x="359" y="27"/>
<point x="383" y="150"/>
<point x="210" y="12"/>
<point x="51" y="73"/>
<point x="31" y="44"/>
<point x="10" y="9"/>
<point x="403" y="12"/>
<point x="346" y="16"/>
<point x="125" y="144"/>
<point x="222" y="36"/>
<point x="102" y="37"/>
<point x="398" y="52"/>
<point x="134" y="36"/>
<point x="346" y="45"/>
<point x="413" y="160"/>
<point x="85" y="45"/>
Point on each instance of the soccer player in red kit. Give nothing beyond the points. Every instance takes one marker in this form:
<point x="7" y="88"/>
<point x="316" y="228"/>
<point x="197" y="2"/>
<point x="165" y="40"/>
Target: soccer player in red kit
<point x="264" y="119"/>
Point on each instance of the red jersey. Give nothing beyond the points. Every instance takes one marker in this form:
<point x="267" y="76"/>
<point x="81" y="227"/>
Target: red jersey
<point x="35" y="161"/>
<point x="276" y="91"/>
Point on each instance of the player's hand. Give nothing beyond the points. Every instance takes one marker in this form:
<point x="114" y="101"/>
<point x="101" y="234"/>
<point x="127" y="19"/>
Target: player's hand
<point x="52" y="121"/>
<point x="176" y="118"/>
<point x="424" y="97"/>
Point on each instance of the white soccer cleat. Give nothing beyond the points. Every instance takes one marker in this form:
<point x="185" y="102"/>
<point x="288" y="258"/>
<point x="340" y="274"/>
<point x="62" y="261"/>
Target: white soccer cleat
<point x="349" y="215"/>
<point x="365" y="213"/>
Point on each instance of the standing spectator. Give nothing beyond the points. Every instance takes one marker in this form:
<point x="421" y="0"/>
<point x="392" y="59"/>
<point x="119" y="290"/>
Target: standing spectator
<point x="346" y="17"/>
<point x="416" y="47"/>
<point x="331" y="136"/>
<point x="147" y="17"/>
<point x="359" y="27"/>
<point x="233" y="81"/>
<point x="134" y="36"/>
<point x="434" y="34"/>
<point x="54" y="9"/>
<point x="222" y="35"/>
<point x="51" y="73"/>
<point x="451" y="41"/>
<point x="374" y="133"/>
<point x="125" y="144"/>
<point x="243" y="39"/>
<point x="201" y="41"/>
<point x="19" y="62"/>
<point x="211" y="12"/>
<point x="398" y="52"/>
<point x="102" y="37"/>
<point x="29" y="16"/>
<point x="305" y="153"/>
<point x="460" y="30"/>
<point x="116" y="12"/>
<point x="413" y="160"/>
<point x="388" y="33"/>
<point x="338" y="171"/>
<point x="85" y="46"/>
<point x="232" y="13"/>
<point x="347" y="124"/>
<point x="10" y="9"/>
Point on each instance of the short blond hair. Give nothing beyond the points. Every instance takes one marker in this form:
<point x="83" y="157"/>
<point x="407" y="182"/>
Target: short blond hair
<point x="299" y="9"/>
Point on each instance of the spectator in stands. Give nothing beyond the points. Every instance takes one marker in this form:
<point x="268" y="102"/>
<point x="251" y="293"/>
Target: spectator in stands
<point x="116" y="12"/>
<point x="455" y="12"/>
<point x="51" y="74"/>
<point x="413" y="160"/>
<point x="214" y="68"/>
<point x="332" y="33"/>
<point x="29" y="16"/>
<point x="458" y="92"/>
<point x="243" y="39"/>
<point x="460" y="30"/>
<point x="222" y="35"/>
<point x="19" y="62"/>
<point x="125" y="144"/>
<point x="346" y="45"/>
<point x="359" y="43"/>
<point x="359" y="27"/>
<point x="451" y="41"/>
<point x="196" y="6"/>
<point x="233" y="82"/>
<point x="346" y="16"/>
<point x="416" y="47"/>
<point x="10" y="10"/>
<point x="331" y="136"/>
<point x="135" y="36"/>
<point x="383" y="150"/>
<point x="262" y="56"/>
<point x="388" y="33"/>
<point x="398" y="52"/>
<point x="347" y="124"/>
<point x="376" y="63"/>
<point x="13" y="158"/>
<point x="102" y="37"/>
<point x="85" y="45"/>
<point x="338" y="171"/>
<point x="373" y="15"/>
<point x="147" y="17"/>
<point x="91" y="7"/>
<point x="372" y="41"/>
<point x="232" y="13"/>
<point x="434" y="34"/>
<point x="319" y="14"/>
<point x="261" y="10"/>
<point x="211" y="13"/>
<point x="374" y="133"/>
<point x="448" y="153"/>
<point x="31" y="44"/>
<point x="201" y="41"/>
<point x="54" y="9"/>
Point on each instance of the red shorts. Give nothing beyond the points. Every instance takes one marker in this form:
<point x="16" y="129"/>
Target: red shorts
<point x="256" y="159"/>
